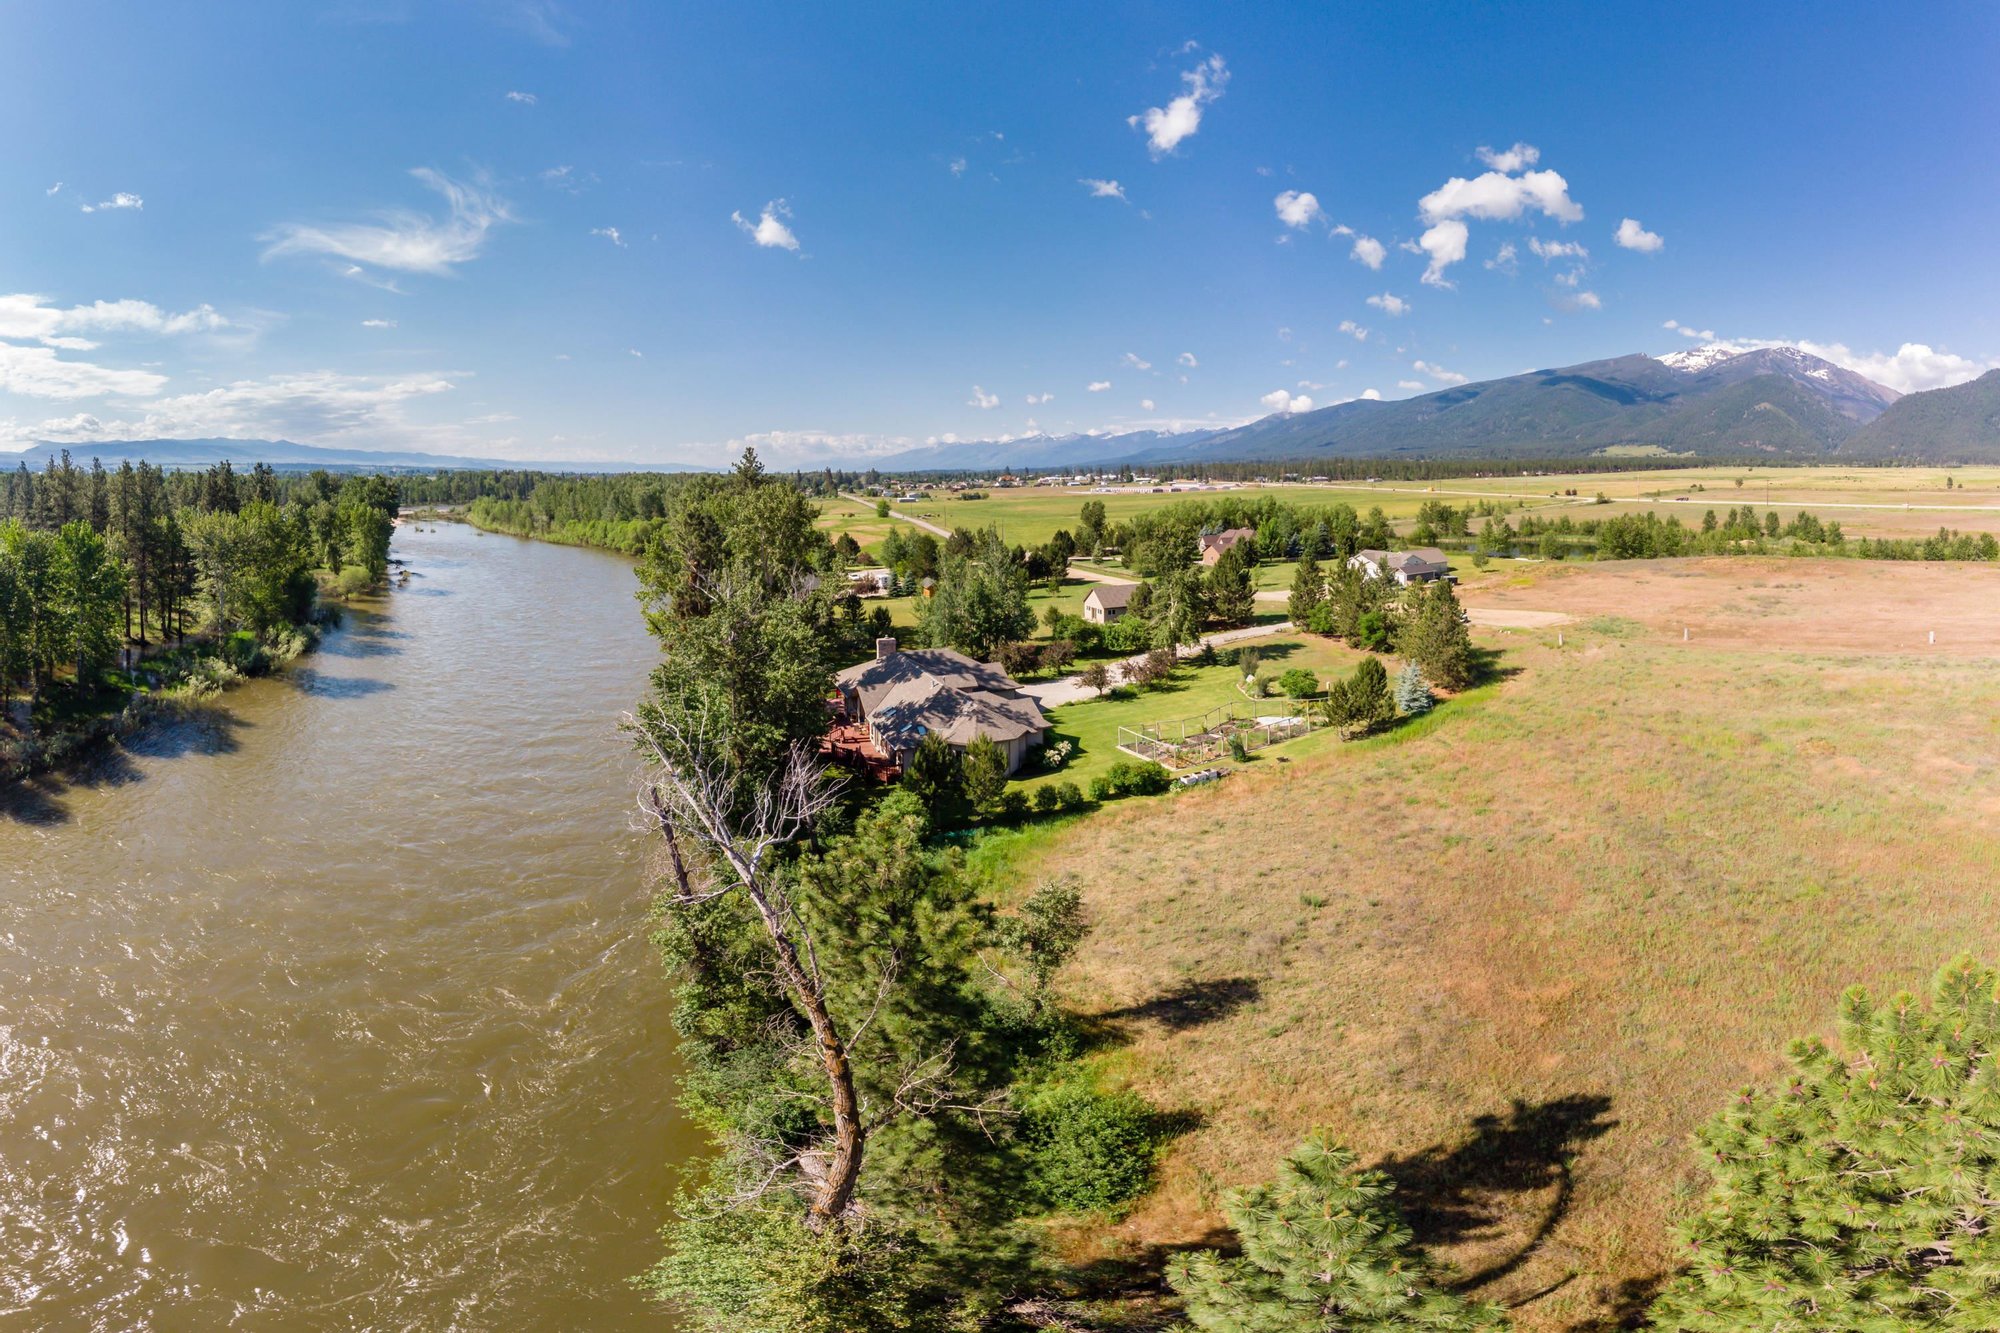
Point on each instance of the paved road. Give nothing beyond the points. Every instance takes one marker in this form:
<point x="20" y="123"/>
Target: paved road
<point x="1071" y="689"/>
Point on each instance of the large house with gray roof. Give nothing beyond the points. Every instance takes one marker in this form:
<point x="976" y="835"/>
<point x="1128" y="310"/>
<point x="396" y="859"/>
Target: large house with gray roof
<point x="905" y="693"/>
<point x="1420" y="565"/>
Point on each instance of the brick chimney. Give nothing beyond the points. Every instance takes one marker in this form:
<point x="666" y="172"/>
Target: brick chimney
<point x="884" y="649"/>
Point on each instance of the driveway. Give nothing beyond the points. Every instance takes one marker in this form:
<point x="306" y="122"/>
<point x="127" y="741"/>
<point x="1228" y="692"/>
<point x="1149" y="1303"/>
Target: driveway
<point x="1071" y="689"/>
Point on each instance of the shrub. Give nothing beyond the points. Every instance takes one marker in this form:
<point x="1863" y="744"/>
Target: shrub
<point x="1239" y="749"/>
<point x="1047" y="799"/>
<point x="1070" y="796"/>
<point x="1135" y="778"/>
<point x="352" y="580"/>
<point x="1101" y="788"/>
<point x="1011" y="806"/>
<point x="1088" y="1151"/>
<point x="1299" y="683"/>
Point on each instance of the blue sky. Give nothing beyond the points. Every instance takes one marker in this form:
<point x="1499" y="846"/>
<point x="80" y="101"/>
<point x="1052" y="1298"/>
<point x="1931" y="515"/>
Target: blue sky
<point x="523" y="229"/>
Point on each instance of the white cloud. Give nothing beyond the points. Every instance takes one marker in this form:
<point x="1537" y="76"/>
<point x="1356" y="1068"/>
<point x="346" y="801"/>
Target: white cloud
<point x="1146" y="404"/>
<point x="568" y="179"/>
<point x="1505" y="260"/>
<point x="982" y="399"/>
<point x="610" y="234"/>
<point x="1511" y="160"/>
<point x="1353" y="330"/>
<point x="378" y="323"/>
<point x="1699" y="335"/>
<point x="1437" y="372"/>
<point x="1573" y="278"/>
<point x="24" y="315"/>
<point x="1283" y="400"/>
<point x="116" y="203"/>
<point x="1133" y="360"/>
<point x="767" y="230"/>
<point x="312" y="406"/>
<point x="525" y="99"/>
<point x="1314" y="385"/>
<point x="404" y="240"/>
<point x="1588" y="301"/>
<point x="958" y="166"/>
<point x="1911" y="368"/>
<point x="1102" y="189"/>
<point x="1496" y="196"/>
<point x="1099" y="386"/>
<point x="635" y="353"/>
<point x="1445" y="244"/>
<point x="1297" y="208"/>
<point x="1371" y="395"/>
<point x="54" y="190"/>
<point x="1414" y="386"/>
<point x="1166" y="126"/>
<point x="1037" y="399"/>
<point x="1367" y="250"/>
<point x="1548" y="251"/>
<point x="1187" y="359"/>
<point x="37" y="372"/>
<point x="1389" y="304"/>
<point x="1635" y="237"/>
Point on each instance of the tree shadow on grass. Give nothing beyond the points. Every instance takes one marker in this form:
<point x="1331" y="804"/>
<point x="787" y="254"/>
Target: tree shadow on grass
<point x="1630" y="1305"/>
<point x="1467" y="1191"/>
<point x="1191" y="1004"/>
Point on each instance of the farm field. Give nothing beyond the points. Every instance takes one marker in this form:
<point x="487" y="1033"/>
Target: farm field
<point x="1516" y="957"/>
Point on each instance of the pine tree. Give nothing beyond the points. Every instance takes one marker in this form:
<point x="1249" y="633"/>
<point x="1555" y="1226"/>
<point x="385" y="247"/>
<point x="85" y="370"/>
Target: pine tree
<point x="1324" y="1248"/>
<point x="1435" y="636"/>
<point x="1413" y="692"/>
<point x="1860" y="1194"/>
<point x="1308" y="591"/>
<point x="1360" y="703"/>
<point x="1232" y="597"/>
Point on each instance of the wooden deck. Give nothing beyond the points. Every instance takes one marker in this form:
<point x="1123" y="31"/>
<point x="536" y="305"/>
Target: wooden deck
<point x="847" y="743"/>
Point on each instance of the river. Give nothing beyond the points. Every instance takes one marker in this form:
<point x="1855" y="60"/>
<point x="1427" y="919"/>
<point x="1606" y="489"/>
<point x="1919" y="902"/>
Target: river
<point x="336" y="1010"/>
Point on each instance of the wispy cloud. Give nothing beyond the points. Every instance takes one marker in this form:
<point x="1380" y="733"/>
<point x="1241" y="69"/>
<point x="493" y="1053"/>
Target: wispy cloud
<point x="1390" y="304"/>
<point x="1186" y="360"/>
<point x="1098" y="386"/>
<point x="24" y="315"/>
<point x="407" y="241"/>
<point x="37" y="372"/>
<point x="1135" y="361"/>
<point x="982" y="399"/>
<point x="525" y="99"/>
<point x="1102" y="189"/>
<point x="378" y="323"/>
<point x="769" y="230"/>
<point x="610" y="234"/>
<point x="1167" y="126"/>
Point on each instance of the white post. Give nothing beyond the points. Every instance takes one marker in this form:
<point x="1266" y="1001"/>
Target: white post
<point x="1933" y="636"/>
<point x="1684" y="633"/>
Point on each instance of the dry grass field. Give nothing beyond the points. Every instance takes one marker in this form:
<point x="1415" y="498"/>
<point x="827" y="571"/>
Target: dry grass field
<point x="1517" y="957"/>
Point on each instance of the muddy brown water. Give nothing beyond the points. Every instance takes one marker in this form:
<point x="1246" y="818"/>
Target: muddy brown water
<point x="336" y="1010"/>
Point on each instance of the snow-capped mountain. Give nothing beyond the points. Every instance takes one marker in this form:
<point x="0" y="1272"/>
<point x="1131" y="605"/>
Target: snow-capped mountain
<point x="1694" y="360"/>
<point x="1855" y="397"/>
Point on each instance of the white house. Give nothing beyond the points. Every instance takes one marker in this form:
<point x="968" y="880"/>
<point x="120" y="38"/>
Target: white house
<point x="1420" y="565"/>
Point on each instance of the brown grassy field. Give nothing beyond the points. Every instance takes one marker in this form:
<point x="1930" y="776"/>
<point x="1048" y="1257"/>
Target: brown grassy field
<point x="1518" y="957"/>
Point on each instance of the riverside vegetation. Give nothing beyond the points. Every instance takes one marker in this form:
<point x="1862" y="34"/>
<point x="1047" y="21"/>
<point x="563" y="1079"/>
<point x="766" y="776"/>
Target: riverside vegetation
<point x="124" y="592"/>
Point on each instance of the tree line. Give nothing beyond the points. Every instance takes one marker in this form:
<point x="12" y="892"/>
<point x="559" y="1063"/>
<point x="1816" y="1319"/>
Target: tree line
<point x="94" y="562"/>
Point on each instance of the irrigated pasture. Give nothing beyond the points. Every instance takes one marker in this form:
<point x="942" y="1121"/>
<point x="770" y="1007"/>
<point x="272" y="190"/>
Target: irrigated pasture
<point x="1517" y="956"/>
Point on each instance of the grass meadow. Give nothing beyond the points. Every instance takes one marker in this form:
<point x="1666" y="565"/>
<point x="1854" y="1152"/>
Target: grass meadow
<point x="1516" y="954"/>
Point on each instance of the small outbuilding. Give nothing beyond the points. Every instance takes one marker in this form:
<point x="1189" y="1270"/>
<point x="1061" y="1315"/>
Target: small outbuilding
<point x="1108" y="602"/>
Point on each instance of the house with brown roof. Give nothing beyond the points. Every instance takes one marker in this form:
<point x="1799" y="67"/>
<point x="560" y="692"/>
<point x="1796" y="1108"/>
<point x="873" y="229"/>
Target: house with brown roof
<point x="903" y="695"/>
<point x="1419" y="565"/>
<point x="1107" y="603"/>
<point x="1213" y="544"/>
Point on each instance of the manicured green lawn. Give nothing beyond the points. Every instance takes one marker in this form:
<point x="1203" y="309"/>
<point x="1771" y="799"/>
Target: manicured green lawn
<point x="1092" y="725"/>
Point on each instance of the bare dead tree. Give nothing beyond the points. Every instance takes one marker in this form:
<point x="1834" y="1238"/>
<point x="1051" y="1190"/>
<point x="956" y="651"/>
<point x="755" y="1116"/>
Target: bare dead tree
<point x="717" y="843"/>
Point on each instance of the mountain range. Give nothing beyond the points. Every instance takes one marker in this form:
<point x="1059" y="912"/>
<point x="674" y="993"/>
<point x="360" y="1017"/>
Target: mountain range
<point x="1714" y="401"/>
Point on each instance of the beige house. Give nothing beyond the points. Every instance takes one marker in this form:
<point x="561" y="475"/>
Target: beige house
<point x="1213" y="544"/>
<point x="903" y="695"/>
<point x="1420" y="565"/>
<point x="1108" y="602"/>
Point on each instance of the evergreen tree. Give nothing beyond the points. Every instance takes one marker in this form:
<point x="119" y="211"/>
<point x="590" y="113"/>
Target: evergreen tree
<point x="985" y="767"/>
<point x="1308" y="591"/>
<point x="1860" y="1194"/>
<point x="936" y="775"/>
<point x="1413" y="692"/>
<point x="1360" y="703"/>
<point x="1435" y="636"/>
<point x="1323" y="1248"/>
<point x="1232" y="597"/>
